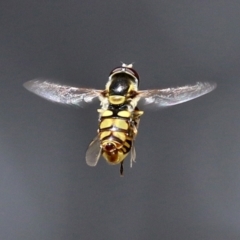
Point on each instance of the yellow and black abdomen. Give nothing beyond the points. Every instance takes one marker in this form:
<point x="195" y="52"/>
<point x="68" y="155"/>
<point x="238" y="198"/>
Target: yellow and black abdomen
<point x="116" y="134"/>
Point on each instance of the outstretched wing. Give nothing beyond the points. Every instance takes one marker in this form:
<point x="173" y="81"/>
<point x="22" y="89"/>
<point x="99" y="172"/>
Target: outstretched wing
<point x="173" y="96"/>
<point x="60" y="93"/>
<point x="93" y="152"/>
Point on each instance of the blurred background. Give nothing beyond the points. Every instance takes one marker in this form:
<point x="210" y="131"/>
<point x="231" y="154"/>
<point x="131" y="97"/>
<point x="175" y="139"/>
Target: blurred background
<point x="186" y="182"/>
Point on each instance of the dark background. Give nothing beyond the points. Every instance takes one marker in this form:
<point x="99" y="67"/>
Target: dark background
<point x="186" y="182"/>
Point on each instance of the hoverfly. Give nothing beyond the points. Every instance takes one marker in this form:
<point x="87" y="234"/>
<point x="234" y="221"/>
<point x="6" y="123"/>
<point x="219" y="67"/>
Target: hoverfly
<point x="119" y="115"/>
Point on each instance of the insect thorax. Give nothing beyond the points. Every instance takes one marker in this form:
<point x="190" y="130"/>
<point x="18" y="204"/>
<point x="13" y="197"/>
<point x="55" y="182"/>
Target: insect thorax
<point x="120" y="89"/>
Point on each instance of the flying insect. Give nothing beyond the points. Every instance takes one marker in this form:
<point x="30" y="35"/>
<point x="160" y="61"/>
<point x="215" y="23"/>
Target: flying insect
<point x="119" y="114"/>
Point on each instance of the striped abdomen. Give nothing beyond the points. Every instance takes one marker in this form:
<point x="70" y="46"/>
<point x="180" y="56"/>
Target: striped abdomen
<point x="116" y="134"/>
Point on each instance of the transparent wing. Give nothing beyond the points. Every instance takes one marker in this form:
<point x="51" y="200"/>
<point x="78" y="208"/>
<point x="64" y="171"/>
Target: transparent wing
<point x="61" y="94"/>
<point x="135" y="125"/>
<point x="93" y="152"/>
<point x="173" y="96"/>
<point x="133" y="155"/>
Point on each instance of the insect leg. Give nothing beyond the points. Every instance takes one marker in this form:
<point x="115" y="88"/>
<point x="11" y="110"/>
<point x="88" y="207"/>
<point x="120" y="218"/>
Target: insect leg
<point x="121" y="169"/>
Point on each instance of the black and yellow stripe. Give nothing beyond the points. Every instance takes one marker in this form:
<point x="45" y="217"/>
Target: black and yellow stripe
<point x="116" y="134"/>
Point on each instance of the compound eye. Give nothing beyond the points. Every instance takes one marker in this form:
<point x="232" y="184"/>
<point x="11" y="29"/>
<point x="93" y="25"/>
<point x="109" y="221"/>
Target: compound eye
<point x="125" y="69"/>
<point x="116" y="70"/>
<point x="132" y="72"/>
